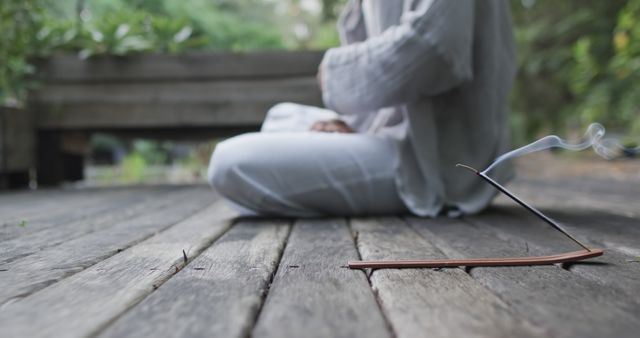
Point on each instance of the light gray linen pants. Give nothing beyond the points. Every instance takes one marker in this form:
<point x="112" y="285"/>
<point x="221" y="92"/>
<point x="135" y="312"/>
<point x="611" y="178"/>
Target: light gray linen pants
<point x="307" y="174"/>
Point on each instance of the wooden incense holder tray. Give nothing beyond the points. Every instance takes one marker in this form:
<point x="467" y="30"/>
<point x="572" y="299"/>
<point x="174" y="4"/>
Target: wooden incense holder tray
<point x="504" y="261"/>
<point x="513" y="261"/>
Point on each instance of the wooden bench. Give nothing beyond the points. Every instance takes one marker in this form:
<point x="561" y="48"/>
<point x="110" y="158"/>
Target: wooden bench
<point x="172" y="261"/>
<point x="201" y="95"/>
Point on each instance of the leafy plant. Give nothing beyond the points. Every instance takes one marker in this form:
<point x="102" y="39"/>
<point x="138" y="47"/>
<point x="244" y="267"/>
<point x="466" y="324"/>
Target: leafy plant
<point x="19" y="22"/>
<point x="578" y="63"/>
<point x="169" y="35"/>
<point x="121" y="33"/>
<point x="134" y="168"/>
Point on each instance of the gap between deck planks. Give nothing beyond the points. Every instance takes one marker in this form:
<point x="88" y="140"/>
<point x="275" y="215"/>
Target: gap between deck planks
<point x="607" y="230"/>
<point x="607" y="223"/>
<point x="566" y="303"/>
<point x="82" y="304"/>
<point x="614" y="269"/>
<point x="313" y="294"/>
<point x="29" y="274"/>
<point x="219" y="294"/>
<point x="230" y="300"/>
<point x="444" y="303"/>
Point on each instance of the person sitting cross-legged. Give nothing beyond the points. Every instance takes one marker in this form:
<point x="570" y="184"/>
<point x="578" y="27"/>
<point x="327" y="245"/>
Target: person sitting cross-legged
<point x="416" y="87"/>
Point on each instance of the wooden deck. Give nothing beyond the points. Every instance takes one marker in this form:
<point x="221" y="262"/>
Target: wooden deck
<point x="110" y="263"/>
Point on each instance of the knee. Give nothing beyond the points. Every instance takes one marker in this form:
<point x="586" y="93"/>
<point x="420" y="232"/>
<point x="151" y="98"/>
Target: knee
<point x="228" y="159"/>
<point x="281" y="107"/>
<point x="220" y="167"/>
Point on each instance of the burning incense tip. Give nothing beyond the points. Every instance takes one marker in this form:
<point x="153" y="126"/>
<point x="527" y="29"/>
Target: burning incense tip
<point x="467" y="167"/>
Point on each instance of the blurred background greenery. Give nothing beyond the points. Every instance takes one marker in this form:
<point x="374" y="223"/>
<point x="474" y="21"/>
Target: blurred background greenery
<point x="578" y="63"/>
<point x="38" y="28"/>
<point x="578" y="59"/>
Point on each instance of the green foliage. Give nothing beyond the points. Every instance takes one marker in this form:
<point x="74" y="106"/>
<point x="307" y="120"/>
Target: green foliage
<point x="578" y="63"/>
<point x="19" y="22"/>
<point x="144" y="155"/>
<point x="134" y="168"/>
<point x="174" y="35"/>
<point x="325" y="37"/>
<point x="118" y="27"/>
<point x="119" y="32"/>
<point x="124" y="32"/>
<point x="579" y="60"/>
<point x="151" y="152"/>
<point x="231" y="25"/>
<point x="617" y="81"/>
<point x="32" y="28"/>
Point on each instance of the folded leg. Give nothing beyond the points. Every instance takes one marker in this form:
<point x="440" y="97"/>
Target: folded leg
<point x="307" y="174"/>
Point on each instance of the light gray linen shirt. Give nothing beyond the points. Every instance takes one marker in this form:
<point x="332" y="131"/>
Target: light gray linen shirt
<point x="435" y="75"/>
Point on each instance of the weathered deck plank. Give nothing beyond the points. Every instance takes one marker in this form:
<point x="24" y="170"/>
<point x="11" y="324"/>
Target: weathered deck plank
<point x="81" y="305"/>
<point x="559" y="196"/>
<point x="620" y="233"/>
<point x="611" y="270"/>
<point x="219" y="294"/>
<point x="150" y="202"/>
<point x="549" y="296"/>
<point x="9" y="199"/>
<point x="313" y="295"/>
<point x="607" y="224"/>
<point x="22" y="204"/>
<point x="445" y="303"/>
<point x="77" y="207"/>
<point x="36" y="271"/>
<point x="87" y="287"/>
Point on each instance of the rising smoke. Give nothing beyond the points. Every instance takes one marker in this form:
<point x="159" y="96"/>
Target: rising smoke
<point x="608" y="148"/>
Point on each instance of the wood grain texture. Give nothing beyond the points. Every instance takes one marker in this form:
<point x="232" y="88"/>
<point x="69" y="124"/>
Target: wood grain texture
<point x="442" y="303"/>
<point x="12" y="203"/>
<point x="229" y="103"/>
<point x="613" y="269"/>
<point x="153" y="115"/>
<point x="184" y="92"/>
<point x="27" y="275"/>
<point x="10" y="199"/>
<point x="82" y="304"/>
<point x="312" y="295"/>
<point x="151" y="201"/>
<point x="564" y="303"/>
<point x="164" y="67"/>
<point x="219" y="294"/>
<point x="80" y="205"/>
<point x="603" y="212"/>
<point x="19" y="204"/>
<point x="617" y="232"/>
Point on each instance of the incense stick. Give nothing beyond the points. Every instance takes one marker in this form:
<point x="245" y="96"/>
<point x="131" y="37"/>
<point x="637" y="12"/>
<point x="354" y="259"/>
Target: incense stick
<point x="507" y="261"/>
<point x="524" y="204"/>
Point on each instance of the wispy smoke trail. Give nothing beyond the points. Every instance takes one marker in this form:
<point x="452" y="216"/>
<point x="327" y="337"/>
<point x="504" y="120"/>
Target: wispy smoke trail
<point x="594" y="138"/>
